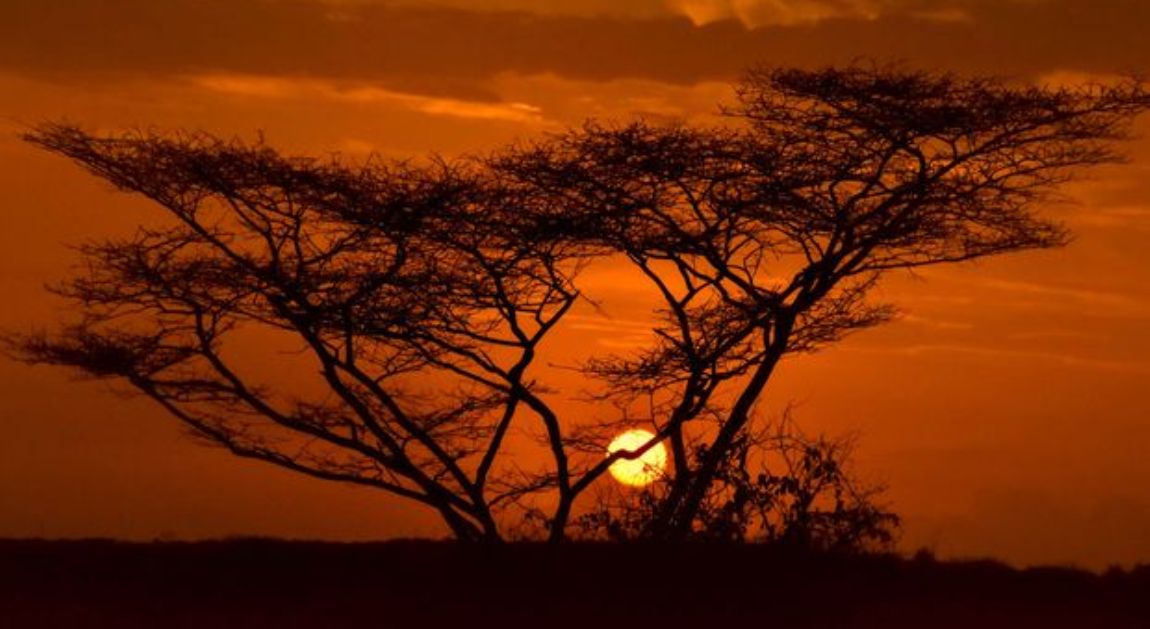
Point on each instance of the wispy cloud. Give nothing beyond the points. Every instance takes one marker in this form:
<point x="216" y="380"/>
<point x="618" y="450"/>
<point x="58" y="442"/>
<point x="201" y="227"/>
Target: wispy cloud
<point x="1064" y="359"/>
<point x="776" y="12"/>
<point x="1079" y="294"/>
<point x="1019" y="293"/>
<point x="1136" y="217"/>
<point x="614" y="333"/>
<point x="938" y="324"/>
<point x="1035" y="335"/>
<point x="277" y="87"/>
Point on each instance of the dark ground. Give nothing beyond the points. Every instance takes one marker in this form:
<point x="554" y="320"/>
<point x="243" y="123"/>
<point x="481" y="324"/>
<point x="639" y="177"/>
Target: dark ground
<point x="250" y="584"/>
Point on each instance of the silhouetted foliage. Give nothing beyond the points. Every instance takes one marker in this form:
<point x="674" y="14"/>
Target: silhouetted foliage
<point x="764" y="238"/>
<point x="421" y="293"/>
<point x="778" y="487"/>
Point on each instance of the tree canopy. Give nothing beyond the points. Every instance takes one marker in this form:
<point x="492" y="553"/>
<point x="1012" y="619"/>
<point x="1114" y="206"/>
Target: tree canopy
<point x="422" y="293"/>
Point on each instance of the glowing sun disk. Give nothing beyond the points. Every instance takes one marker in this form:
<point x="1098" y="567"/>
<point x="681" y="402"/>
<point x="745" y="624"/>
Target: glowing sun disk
<point x="640" y="471"/>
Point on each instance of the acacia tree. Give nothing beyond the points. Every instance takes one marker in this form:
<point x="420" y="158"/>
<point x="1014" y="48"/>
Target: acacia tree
<point x="764" y="238"/>
<point x="419" y="293"/>
<point x="422" y="294"/>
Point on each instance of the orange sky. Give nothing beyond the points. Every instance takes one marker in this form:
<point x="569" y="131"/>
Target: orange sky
<point x="1007" y="411"/>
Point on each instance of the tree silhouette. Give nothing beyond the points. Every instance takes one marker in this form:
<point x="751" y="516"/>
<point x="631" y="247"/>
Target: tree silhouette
<point x="764" y="238"/>
<point x="421" y="294"/>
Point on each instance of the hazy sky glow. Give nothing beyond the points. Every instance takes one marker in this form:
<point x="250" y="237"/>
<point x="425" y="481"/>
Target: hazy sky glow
<point x="1007" y="411"/>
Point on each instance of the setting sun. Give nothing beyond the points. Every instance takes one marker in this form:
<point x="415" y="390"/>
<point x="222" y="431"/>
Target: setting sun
<point x="643" y="470"/>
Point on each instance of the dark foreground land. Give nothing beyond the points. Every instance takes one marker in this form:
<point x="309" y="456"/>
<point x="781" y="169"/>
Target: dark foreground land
<point x="255" y="583"/>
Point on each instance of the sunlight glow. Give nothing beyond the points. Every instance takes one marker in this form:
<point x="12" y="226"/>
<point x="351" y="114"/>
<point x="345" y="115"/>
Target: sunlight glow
<point x="643" y="470"/>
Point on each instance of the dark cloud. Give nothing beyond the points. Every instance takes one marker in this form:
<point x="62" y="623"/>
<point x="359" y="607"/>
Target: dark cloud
<point x="453" y="51"/>
<point x="587" y="8"/>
